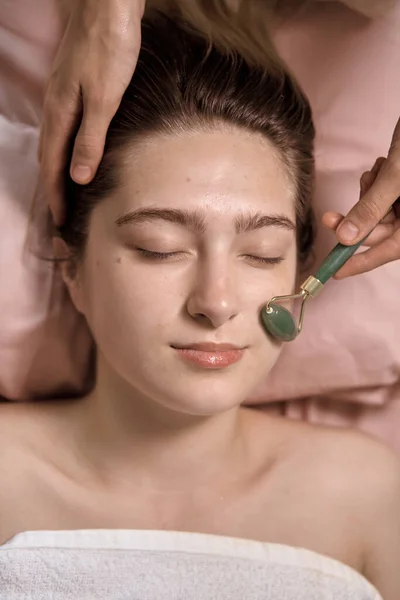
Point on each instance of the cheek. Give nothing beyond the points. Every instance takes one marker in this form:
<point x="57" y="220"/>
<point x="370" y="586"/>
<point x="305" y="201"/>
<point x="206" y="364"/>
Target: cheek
<point x="279" y="280"/>
<point x="285" y="277"/>
<point x="286" y="282"/>
<point x="124" y="303"/>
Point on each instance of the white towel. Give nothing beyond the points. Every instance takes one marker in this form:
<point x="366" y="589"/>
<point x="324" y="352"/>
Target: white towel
<point x="162" y="565"/>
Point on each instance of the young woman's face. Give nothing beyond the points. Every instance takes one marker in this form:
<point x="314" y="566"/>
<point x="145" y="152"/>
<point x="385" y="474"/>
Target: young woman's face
<point x="179" y="263"/>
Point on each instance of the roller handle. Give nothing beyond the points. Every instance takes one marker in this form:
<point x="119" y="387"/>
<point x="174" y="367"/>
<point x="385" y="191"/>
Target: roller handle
<point x="339" y="256"/>
<point x="335" y="260"/>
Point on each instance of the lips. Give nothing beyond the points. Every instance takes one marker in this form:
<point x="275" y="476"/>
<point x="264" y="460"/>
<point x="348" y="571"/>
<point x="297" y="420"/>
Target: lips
<point x="210" y="355"/>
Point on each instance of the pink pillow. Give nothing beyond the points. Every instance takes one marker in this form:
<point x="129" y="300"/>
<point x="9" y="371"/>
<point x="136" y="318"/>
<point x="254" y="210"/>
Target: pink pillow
<point x="44" y="345"/>
<point x="349" y="348"/>
<point x="349" y="67"/>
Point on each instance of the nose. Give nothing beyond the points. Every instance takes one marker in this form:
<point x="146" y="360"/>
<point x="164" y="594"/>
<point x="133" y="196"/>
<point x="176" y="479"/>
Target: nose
<point x="213" y="300"/>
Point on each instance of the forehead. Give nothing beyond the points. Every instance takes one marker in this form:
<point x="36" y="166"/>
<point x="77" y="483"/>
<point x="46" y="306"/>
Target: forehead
<point x="222" y="171"/>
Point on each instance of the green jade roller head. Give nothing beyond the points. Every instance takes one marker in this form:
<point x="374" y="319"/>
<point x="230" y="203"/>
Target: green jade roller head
<point x="277" y="320"/>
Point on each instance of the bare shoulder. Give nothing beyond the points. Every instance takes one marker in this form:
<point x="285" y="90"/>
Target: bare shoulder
<point x="352" y="472"/>
<point x="33" y="436"/>
<point x="339" y="456"/>
<point x="32" y="431"/>
<point x="350" y="450"/>
<point x="29" y="440"/>
<point x="356" y="464"/>
<point x="22" y="435"/>
<point x="361" y="476"/>
<point x="358" y="457"/>
<point x="14" y="425"/>
<point x="373" y="481"/>
<point x="20" y="422"/>
<point x="17" y="424"/>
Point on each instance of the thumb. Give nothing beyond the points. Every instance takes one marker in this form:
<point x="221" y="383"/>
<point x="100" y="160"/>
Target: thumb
<point x="378" y="199"/>
<point x="371" y="208"/>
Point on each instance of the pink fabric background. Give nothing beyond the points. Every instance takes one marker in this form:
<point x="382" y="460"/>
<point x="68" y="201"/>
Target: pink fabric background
<point x="346" y="364"/>
<point x="348" y="358"/>
<point x="44" y="344"/>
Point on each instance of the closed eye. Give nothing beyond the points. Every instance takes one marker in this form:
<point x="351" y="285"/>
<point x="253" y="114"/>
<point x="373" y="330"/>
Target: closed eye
<point x="262" y="260"/>
<point x="157" y="255"/>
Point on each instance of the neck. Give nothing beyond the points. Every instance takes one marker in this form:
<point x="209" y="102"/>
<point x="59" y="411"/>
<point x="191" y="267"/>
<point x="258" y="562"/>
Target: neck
<point x="130" y="438"/>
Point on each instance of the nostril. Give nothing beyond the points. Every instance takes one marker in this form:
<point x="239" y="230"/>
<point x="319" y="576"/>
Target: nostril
<point x="202" y="318"/>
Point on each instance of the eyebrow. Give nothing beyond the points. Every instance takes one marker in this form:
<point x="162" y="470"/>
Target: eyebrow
<point x="194" y="221"/>
<point x="258" y="221"/>
<point x="190" y="220"/>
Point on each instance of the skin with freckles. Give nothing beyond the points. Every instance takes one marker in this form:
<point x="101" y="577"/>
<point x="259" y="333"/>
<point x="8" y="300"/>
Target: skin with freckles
<point x="206" y="280"/>
<point x="198" y="235"/>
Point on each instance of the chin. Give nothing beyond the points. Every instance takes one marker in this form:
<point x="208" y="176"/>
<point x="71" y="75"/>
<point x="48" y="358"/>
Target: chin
<point x="205" y="399"/>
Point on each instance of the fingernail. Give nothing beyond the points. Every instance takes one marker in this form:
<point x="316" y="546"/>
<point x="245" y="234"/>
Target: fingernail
<point x="348" y="231"/>
<point x="81" y="173"/>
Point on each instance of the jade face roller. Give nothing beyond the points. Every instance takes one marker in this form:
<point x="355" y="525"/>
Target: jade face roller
<point x="278" y="321"/>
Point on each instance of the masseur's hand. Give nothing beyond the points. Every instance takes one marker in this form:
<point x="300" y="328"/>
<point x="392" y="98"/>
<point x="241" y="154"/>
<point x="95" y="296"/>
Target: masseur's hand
<point x="91" y="71"/>
<point x="380" y="189"/>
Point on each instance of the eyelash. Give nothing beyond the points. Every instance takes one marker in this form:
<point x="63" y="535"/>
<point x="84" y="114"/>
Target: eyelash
<point x="265" y="261"/>
<point x="157" y="255"/>
<point x="166" y="255"/>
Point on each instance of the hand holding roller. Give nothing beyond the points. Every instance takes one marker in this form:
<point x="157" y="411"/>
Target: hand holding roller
<point x="278" y="322"/>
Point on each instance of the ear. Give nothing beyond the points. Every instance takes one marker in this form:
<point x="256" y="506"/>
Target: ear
<point x="70" y="272"/>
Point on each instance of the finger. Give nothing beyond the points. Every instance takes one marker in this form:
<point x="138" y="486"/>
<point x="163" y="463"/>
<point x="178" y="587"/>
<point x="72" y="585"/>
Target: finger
<point x="331" y="220"/>
<point x="377" y="200"/>
<point x="385" y="252"/>
<point x="394" y="146"/>
<point x="390" y="218"/>
<point x="379" y="234"/>
<point x="377" y="166"/>
<point x="60" y="123"/>
<point x="368" y="178"/>
<point x="90" y="139"/>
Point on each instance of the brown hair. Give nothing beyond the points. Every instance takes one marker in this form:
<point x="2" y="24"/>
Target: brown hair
<point x="185" y="80"/>
<point x="242" y="25"/>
